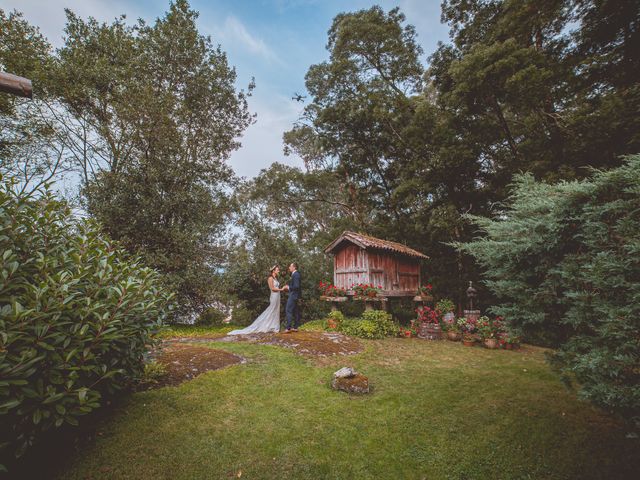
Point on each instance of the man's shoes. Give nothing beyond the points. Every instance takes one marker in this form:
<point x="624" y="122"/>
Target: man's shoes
<point x="294" y="329"/>
<point x="288" y="330"/>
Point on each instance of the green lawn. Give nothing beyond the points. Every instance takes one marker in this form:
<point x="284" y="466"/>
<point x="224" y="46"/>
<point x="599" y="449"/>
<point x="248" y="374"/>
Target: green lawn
<point x="438" y="410"/>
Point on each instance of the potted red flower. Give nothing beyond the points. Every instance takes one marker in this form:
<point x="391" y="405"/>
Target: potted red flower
<point x="429" y="323"/>
<point x="424" y="292"/>
<point x="366" y="290"/>
<point x="329" y="290"/>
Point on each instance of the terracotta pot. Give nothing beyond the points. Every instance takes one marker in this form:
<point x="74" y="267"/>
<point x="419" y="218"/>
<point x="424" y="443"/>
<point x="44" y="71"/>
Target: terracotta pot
<point x="332" y="324"/>
<point x="508" y="346"/>
<point x="491" y="343"/>
<point x="407" y="334"/>
<point x="467" y="342"/>
<point x="372" y="294"/>
<point x="453" y="336"/>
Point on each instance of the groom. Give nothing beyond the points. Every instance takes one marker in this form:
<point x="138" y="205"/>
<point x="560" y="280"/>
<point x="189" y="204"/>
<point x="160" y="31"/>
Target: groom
<point x="293" y="309"/>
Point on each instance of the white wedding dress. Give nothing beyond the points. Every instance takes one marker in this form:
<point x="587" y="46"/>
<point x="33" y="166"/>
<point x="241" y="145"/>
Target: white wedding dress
<point x="269" y="320"/>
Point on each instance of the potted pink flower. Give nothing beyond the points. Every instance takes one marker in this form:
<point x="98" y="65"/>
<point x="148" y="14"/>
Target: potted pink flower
<point x="469" y="328"/>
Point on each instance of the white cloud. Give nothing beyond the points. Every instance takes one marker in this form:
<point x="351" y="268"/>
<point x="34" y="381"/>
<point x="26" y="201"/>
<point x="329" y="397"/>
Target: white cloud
<point x="233" y="31"/>
<point x="49" y="15"/>
<point x="262" y="142"/>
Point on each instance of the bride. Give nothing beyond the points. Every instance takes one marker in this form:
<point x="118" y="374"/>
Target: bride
<point x="269" y="320"/>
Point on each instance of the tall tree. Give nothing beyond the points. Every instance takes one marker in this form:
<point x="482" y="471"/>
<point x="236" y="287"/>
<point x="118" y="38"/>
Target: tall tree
<point x="374" y="124"/>
<point x="162" y="116"/>
<point x="29" y="150"/>
<point x="361" y="101"/>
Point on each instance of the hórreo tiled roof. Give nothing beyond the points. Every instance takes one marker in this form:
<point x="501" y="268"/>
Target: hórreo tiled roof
<point x="366" y="241"/>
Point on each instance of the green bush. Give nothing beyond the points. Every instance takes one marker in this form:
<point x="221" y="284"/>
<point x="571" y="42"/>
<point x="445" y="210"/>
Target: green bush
<point x="337" y="316"/>
<point x="373" y="324"/>
<point x="211" y="317"/>
<point x="242" y="316"/>
<point x="76" y="316"/>
<point x="314" y="326"/>
<point x="564" y="260"/>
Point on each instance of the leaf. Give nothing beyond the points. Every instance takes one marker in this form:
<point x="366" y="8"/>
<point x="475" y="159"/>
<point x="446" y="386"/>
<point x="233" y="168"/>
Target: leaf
<point x="53" y="398"/>
<point x="10" y="404"/>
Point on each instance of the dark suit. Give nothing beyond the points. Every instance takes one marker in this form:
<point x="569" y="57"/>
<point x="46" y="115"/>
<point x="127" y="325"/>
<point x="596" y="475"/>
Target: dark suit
<point x="295" y="292"/>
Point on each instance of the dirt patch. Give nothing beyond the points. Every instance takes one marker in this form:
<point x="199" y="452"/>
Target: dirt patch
<point x="317" y="344"/>
<point x="185" y="362"/>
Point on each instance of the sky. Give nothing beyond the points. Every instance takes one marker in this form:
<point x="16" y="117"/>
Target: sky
<point x="273" y="41"/>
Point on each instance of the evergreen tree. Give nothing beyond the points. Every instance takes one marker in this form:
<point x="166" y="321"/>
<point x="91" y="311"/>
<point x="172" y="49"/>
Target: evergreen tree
<point x="563" y="261"/>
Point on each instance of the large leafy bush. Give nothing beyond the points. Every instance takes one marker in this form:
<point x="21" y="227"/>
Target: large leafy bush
<point x="565" y="262"/>
<point x="76" y="316"/>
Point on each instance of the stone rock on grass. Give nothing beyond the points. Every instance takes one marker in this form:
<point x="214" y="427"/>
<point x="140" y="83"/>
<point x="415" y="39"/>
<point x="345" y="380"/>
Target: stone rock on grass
<point x="357" y="384"/>
<point x="345" y="372"/>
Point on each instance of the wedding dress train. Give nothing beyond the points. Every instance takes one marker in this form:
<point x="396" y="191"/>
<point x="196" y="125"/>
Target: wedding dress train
<point x="269" y="320"/>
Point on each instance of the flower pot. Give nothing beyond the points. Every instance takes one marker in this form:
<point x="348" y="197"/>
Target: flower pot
<point x="508" y="346"/>
<point x="407" y="334"/>
<point x="332" y="324"/>
<point x="449" y="317"/>
<point x="491" y="343"/>
<point x="468" y="341"/>
<point x="453" y="336"/>
<point x="425" y="297"/>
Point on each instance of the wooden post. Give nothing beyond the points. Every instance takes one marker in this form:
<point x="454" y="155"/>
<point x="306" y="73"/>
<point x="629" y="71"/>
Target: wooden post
<point x="16" y="85"/>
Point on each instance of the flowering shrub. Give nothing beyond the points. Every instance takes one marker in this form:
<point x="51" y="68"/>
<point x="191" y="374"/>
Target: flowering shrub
<point x="330" y="290"/>
<point x="491" y="328"/>
<point x="508" y="339"/>
<point x="428" y="315"/>
<point x="468" y="327"/>
<point x="363" y="290"/>
<point x="425" y="289"/>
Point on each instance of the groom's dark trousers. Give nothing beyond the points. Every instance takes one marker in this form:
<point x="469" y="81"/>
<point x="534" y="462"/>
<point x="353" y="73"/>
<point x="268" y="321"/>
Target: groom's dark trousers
<point x="293" y="309"/>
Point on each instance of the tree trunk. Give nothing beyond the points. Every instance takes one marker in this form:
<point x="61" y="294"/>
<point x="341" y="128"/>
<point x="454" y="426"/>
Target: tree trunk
<point x="15" y="85"/>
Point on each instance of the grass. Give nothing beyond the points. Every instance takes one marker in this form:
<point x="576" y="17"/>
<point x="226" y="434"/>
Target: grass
<point x="437" y="410"/>
<point x="178" y="331"/>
